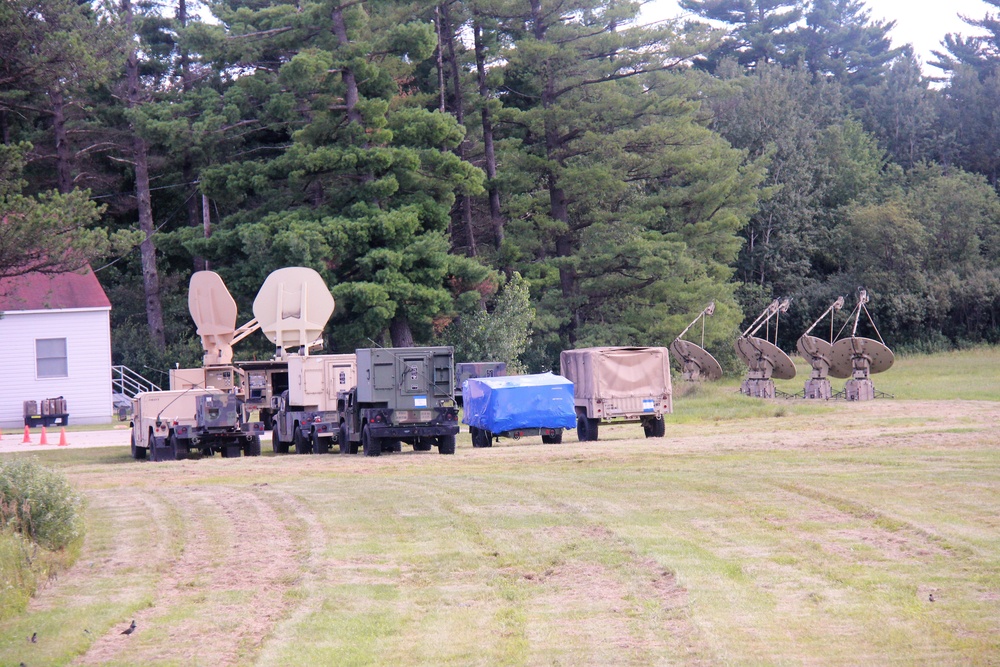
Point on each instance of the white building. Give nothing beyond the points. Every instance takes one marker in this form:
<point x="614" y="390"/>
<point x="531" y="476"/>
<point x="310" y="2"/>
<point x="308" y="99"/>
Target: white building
<point x="55" y="341"/>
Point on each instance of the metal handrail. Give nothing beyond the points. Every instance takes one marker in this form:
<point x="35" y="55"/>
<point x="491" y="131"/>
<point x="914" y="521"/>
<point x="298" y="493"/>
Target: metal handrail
<point x="126" y="381"/>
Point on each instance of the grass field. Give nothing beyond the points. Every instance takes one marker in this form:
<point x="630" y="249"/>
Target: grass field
<point x="756" y="532"/>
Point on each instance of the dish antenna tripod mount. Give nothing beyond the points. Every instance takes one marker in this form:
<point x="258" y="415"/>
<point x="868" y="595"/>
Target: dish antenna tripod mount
<point x="818" y="353"/>
<point x="859" y="358"/>
<point x="764" y="359"/>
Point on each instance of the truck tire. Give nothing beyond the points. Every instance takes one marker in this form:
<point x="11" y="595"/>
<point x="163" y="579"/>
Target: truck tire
<point x="319" y="445"/>
<point x="252" y="447"/>
<point x="586" y="428"/>
<point x="482" y="438"/>
<point x="277" y="446"/>
<point x="422" y="444"/>
<point x="654" y="428"/>
<point x="301" y="441"/>
<point x="138" y="453"/>
<point x="392" y="446"/>
<point x="345" y="442"/>
<point x="372" y="445"/>
<point x="553" y="439"/>
<point x="178" y="447"/>
<point x="446" y="444"/>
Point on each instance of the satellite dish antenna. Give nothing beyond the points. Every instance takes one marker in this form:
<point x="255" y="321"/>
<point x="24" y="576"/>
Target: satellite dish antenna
<point x="819" y="353"/>
<point x="858" y="357"/>
<point x="696" y="362"/>
<point x="764" y="359"/>
<point x="214" y="313"/>
<point x="292" y="308"/>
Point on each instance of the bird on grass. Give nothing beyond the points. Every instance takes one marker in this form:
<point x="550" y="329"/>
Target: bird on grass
<point x="130" y="629"/>
<point x="34" y="637"/>
<point x="930" y="597"/>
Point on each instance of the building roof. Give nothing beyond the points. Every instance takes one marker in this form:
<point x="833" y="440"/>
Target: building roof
<point x="57" y="291"/>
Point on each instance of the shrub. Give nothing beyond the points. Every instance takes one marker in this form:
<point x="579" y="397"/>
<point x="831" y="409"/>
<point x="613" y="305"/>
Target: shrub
<point x="39" y="503"/>
<point x="18" y="579"/>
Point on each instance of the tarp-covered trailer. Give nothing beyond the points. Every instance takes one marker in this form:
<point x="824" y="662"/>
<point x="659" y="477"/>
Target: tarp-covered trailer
<point x="517" y="406"/>
<point x="621" y="384"/>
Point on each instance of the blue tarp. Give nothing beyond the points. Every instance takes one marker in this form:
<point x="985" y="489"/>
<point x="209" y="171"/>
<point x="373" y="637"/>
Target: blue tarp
<point x="519" y="401"/>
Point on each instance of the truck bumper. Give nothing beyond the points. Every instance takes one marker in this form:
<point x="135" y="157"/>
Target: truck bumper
<point x="413" y="430"/>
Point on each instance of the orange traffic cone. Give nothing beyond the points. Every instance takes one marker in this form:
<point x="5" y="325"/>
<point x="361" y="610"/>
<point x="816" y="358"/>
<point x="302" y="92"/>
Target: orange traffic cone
<point x="27" y="436"/>
<point x="62" y="438"/>
<point x="43" y="441"/>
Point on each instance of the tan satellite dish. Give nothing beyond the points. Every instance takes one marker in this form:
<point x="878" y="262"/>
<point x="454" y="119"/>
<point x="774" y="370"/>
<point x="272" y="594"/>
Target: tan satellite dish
<point x="858" y="351"/>
<point x="765" y="357"/>
<point x="818" y="353"/>
<point x="696" y="361"/>
<point x="214" y="313"/>
<point x="293" y="306"/>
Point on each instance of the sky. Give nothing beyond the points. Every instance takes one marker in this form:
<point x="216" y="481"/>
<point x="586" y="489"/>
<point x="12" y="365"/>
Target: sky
<point x="923" y="23"/>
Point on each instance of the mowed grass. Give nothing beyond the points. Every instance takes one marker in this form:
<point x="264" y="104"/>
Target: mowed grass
<point x="756" y="532"/>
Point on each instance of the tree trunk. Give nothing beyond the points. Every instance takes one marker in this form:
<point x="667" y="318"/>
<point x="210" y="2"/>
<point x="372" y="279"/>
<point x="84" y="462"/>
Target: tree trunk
<point x="64" y="176"/>
<point x="458" y="107"/>
<point x="496" y="219"/>
<point x="350" y="81"/>
<point x="140" y="153"/>
<point x="399" y="331"/>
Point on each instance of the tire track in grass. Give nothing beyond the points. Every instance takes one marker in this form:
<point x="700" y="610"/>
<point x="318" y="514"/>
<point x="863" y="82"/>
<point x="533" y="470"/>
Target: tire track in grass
<point x="105" y="585"/>
<point x="307" y="541"/>
<point x="219" y="592"/>
<point x="569" y="589"/>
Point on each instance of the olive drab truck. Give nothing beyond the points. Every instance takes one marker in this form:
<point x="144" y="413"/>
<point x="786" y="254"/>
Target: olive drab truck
<point x="170" y="425"/>
<point x="619" y="384"/>
<point x="403" y="394"/>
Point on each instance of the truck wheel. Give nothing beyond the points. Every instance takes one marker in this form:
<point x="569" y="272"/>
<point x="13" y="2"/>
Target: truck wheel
<point x="178" y="448"/>
<point x="302" y="444"/>
<point x="422" y="444"/>
<point x="592" y="428"/>
<point x="372" y="446"/>
<point x="319" y="445"/>
<point x="582" y="432"/>
<point x="553" y="439"/>
<point x="138" y="453"/>
<point x="252" y="447"/>
<point x="446" y="444"/>
<point x="392" y="446"/>
<point x="277" y="446"/>
<point x="345" y="443"/>
<point x="474" y="435"/>
<point x="654" y="428"/>
<point x="482" y="438"/>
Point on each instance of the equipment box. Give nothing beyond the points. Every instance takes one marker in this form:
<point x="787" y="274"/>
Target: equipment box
<point x="53" y="412"/>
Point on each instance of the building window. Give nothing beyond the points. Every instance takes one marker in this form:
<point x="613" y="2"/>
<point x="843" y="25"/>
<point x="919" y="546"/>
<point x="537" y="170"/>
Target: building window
<point x="50" y="358"/>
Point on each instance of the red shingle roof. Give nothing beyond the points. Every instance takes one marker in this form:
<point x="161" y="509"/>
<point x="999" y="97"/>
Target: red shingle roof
<point x="39" y="291"/>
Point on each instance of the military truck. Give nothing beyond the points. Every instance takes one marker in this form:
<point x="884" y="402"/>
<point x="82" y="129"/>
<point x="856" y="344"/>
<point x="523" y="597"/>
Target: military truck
<point x="169" y="425"/>
<point x="476" y="369"/>
<point x="619" y="384"/>
<point x="305" y="414"/>
<point x="404" y="394"/>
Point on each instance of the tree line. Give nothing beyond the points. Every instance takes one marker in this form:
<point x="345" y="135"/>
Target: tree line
<point x="514" y="176"/>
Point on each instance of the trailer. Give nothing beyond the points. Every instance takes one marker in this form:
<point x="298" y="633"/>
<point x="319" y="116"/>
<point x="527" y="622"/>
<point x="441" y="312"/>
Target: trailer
<point x="619" y="384"/>
<point x="518" y="406"/>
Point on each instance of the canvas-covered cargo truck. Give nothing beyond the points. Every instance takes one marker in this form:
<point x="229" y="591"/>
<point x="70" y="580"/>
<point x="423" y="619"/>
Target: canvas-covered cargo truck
<point x="517" y="406"/>
<point x="169" y="425"/>
<point x="403" y="394"/>
<point x="619" y="384"/>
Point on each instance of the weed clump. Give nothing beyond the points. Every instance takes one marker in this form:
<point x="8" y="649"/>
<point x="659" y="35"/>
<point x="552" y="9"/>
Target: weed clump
<point x="39" y="504"/>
